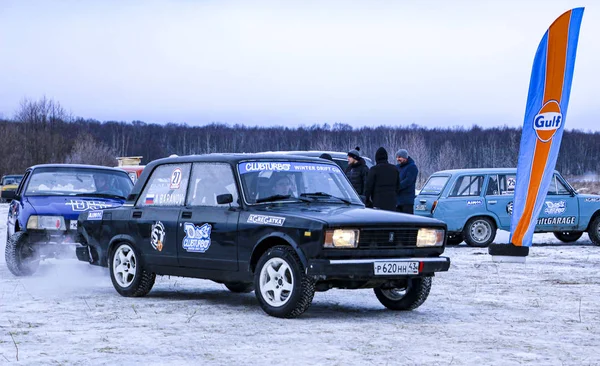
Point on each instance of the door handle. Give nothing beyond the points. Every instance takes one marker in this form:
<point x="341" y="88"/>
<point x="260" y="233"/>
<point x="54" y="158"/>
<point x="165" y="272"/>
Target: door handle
<point x="186" y="215"/>
<point x="423" y="201"/>
<point x="137" y="214"/>
<point x="492" y="202"/>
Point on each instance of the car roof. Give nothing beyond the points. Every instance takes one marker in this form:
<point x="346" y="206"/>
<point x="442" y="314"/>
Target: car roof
<point x="234" y="158"/>
<point x="316" y="153"/>
<point x="12" y="176"/>
<point x="76" y="166"/>
<point x="478" y="171"/>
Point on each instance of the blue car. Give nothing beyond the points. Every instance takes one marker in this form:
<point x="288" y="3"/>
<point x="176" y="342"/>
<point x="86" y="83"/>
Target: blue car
<point x="474" y="203"/>
<point x="42" y="217"/>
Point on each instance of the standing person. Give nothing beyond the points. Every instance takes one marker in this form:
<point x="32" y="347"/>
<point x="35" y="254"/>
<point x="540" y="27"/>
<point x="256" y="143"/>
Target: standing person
<point x="357" y="171"/>
<point x="407" y="171"/>
<point x="383" y="183"/>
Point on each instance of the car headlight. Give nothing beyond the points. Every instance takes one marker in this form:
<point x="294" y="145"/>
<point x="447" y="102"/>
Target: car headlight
<point x="46" y="222"/>
<point x="430" y="237"/>
<point x="341" y="238"/>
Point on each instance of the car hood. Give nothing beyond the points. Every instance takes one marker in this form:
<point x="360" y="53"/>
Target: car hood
<point x="352" y="216"/>
<point x="70" y="207"/>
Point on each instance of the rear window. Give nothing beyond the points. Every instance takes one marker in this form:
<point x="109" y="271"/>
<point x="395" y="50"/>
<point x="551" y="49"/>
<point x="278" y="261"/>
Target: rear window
<point x="434" y="185"/>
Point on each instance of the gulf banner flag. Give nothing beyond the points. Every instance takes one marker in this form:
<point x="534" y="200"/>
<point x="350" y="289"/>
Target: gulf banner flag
<point x="545" y="116"/>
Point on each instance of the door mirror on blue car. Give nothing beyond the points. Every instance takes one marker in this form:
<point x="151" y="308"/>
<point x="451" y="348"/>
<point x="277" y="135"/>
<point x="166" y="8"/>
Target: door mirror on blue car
<point x="223" y="199"/>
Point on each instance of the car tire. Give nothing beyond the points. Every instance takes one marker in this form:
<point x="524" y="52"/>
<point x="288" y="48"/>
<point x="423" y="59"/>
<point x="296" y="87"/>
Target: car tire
<point x="479" y="232"/>
<point x="409" y="298"/>
<point x="568" y="236"/>
<point x="594" y="230"/>
<point x="239" y="287"/>
<point x="281" y="286"/>
<point x="454" y="239"/>
<point x="21" y="258"/>
<point x="127" y="272"/>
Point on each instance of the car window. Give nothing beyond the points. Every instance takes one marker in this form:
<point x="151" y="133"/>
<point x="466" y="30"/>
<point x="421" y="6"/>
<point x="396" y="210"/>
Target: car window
<point x="467" y="185"/>
<point x="210" y="180"/>
<point x="77" y="181"/>
<point x="434" y="185"/>
<point x="557" y="187"/>
<point x="166" y="186"/>
<point x="264" y="179"/>
<point x="501" y="184"/>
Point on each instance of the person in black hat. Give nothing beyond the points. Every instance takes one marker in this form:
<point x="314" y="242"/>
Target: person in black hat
<point x="383" y="183"/>
<point x="357" y="171"/>
<point x="408" y="171"/>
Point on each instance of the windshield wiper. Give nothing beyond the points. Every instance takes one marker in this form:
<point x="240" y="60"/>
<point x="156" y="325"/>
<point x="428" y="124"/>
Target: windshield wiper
<point x="280" y="197"/>
<point x="108" y="195"/>
<point x="326" y="195"/>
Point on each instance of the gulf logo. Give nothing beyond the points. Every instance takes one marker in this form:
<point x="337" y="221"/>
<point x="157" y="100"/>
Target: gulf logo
<point x="547" y="121"/>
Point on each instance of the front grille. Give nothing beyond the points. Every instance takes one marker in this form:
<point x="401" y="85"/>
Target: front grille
<point x="388" y="238"/>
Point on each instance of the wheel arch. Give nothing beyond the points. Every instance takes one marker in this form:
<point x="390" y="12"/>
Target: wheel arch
<point x="594" y="216"/>
<point x="122" y="238"/>
<point x="271" y="240"/>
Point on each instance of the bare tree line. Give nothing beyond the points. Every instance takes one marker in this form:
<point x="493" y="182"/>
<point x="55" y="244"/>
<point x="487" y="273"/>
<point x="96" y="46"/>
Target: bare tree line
<point x="43" y="132"/>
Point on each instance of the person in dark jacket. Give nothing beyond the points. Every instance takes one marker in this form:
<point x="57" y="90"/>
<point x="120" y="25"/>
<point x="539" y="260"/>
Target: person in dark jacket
<point x="383" y="183"/>
<point x="357" y="171"/>
<point x="407" y="171"/>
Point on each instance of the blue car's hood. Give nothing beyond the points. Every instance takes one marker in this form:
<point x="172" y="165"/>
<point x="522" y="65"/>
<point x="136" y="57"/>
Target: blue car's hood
<point x="70" y="207"/>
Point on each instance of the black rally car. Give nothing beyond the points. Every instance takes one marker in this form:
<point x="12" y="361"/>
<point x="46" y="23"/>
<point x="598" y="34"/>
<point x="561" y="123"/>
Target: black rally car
<point x="284" y="226"/>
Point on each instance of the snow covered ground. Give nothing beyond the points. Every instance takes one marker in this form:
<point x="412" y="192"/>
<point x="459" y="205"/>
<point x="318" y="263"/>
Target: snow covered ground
<point x="544" y="312"/>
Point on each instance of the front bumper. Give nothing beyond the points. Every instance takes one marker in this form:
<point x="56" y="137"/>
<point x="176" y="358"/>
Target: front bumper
<point x="364" y="269"/>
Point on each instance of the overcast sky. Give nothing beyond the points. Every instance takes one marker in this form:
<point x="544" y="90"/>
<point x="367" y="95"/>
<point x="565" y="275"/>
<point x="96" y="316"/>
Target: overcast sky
<point x="435" y="63"/>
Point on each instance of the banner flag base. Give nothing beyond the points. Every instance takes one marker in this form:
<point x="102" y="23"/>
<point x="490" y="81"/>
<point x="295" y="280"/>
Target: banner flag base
<point x="508" y="253"/>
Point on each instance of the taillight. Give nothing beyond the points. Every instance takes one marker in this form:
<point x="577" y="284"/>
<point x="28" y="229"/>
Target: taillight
<point x="433" y="206"/>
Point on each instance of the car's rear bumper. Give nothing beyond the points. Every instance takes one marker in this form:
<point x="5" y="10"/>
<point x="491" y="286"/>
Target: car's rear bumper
<point x="365" y="268"/>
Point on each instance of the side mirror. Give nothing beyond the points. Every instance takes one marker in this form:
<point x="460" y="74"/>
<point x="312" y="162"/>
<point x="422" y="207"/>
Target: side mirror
<point x="17" y="197"/>
<point x="224" y="198"/>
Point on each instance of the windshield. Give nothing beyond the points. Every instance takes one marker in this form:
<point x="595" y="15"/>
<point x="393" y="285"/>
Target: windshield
<point x="74" y="181"/>
<point x="268" y="181"/>
<point x="434" y="185"/>
<point x="11" y="180"/>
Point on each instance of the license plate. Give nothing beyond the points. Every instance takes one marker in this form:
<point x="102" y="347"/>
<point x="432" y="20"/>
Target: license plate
<point x="73" y="225"/>
<point x="395" y="268"/>
<point x="421" y="208"/>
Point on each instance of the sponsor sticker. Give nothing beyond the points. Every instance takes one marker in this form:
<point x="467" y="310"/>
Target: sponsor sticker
<point x="176" y="178"/>
<point x="197" y="238"/>
<point x="95" y="215"/>
<point x="509" y="207"/>
<point x="555" y="208"/>
<point x="157" y="236"/>
<point x="565" y="220"/>
<point x="81" y="205"/>
<point x="592" y="199"/>
<point x="259" y="166"/>
<point x="474" y="202"/>
<point x="266" y="220"/>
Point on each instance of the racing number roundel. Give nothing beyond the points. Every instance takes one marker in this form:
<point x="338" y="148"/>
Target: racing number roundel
<point x="176" y="177"/>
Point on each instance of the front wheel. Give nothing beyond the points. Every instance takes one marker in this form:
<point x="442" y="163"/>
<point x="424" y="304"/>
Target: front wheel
<point x="21" y="258"/>
<point x="281" y="286"/>
<point x="568" y="236"/>
<point x="409" y="297"/>
<point x="127" y="272"/>
<point x="479" y="232"/>
<point x="594" y="231"/>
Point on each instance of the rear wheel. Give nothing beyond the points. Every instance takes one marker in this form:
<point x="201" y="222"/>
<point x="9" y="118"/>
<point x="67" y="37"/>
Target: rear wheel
<point x="239" y="287"/>
<point x="282" y="287"/>
<point x="594" y="231"/>
<point x="127" y="272"/>
<point x="408" y="297"/>
<point x="21" y="257"/>
<point x="568" y="236"/>
<point x="479" y="232"/>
